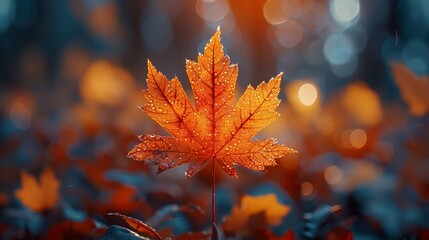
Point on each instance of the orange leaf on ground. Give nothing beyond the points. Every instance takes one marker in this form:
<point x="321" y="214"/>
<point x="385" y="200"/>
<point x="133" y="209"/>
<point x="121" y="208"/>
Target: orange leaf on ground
<point x="265" y="205"/>
<point x="413" y="89"/>
<point x="215" y="129"/>
<point x="39" y="196"/>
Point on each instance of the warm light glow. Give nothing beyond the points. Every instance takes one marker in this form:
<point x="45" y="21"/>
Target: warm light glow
<point x="306" y="189"/>
<point x="106" y="84"/>
<point x="358" y="138"/>
<point x="363" y="104"/>
<point x="289" y="33"/>
<point x="358" y="173"/>
<point x="325" y="124"/>
<point x="304" y="97"/>
<point x="214" y="11"/>
<point x="345" y="139"/>
<point x="307" y="94"/>
<point x="273" y="12"/>
<point x="333" y="174"/>
<point x="295" y="8"/>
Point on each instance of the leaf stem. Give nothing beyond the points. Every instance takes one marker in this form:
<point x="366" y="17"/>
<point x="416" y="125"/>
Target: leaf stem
<point x="213" y="196"/>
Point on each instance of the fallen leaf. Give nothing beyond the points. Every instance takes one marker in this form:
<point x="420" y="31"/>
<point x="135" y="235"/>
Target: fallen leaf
<point x="138" y="225"/>
<point x="39" y="196"/>
<point x="413" y="89"/>
<point x="215" y="129"/>
<point x="267" y="205"/>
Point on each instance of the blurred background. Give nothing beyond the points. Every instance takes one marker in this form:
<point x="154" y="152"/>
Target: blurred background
<point x="354" y="104"/>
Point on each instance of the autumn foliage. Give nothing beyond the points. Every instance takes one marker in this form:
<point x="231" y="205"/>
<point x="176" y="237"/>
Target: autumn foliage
<point x="215" y="129"/>
<point x="39" y="195"/>
<point x="355" y="104"/>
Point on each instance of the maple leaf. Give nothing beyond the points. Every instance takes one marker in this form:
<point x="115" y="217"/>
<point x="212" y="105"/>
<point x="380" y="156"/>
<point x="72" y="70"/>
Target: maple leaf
<point x="266" y="207"/>
<point x="39" y="196"/>
<point x="215" y="129"/>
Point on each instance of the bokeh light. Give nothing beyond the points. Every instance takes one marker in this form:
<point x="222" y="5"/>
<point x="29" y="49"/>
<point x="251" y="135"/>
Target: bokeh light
<point x="213" y="11"/>
<point x="354" y="104"/>
<point x="338" y="49"/>
<point x="344" y="11"/>
<point x="306" y="189"/>
<point x="289" y="33"/>
<point x="357" y="173"/>
<point x="307" y="94"/>
<point x="296" y="8"/>
<point x="333" y="174"/>
<point x="105" y="84"/>
<point x="273" y="12"/>
<point x="358" y="138"/>
<point x="315" y="19"/>
<point x="304" y="96"/>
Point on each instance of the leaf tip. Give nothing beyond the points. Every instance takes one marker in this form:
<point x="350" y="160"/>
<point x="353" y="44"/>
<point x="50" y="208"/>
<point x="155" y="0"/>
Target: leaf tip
<point x="291" y="150"/>
<point x="149" y="63"/>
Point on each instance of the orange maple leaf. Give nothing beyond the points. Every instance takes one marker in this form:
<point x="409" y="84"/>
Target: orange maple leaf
<point x="215" y="129"/>
<point x="39" y="196"/>
<point x="272" y="212"/>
